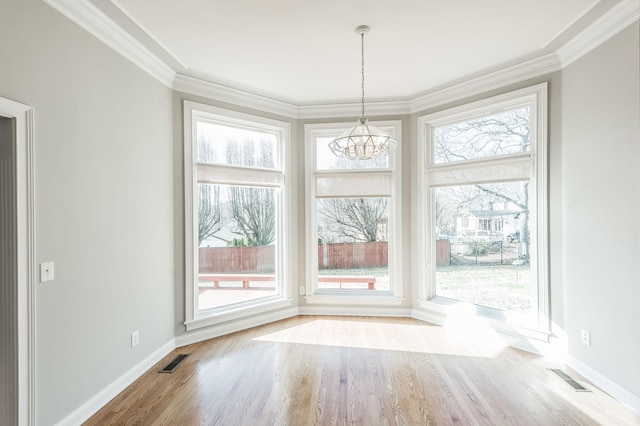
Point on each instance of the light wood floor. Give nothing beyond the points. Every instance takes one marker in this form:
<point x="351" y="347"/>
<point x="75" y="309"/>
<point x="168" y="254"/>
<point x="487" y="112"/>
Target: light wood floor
<point x="359" y="371"/>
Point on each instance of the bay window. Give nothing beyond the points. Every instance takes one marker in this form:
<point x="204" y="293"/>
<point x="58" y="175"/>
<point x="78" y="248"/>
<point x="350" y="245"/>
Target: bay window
<point x="483" y="186"/>
<point x="353" y="215"/>
<point x="236" y="207"/>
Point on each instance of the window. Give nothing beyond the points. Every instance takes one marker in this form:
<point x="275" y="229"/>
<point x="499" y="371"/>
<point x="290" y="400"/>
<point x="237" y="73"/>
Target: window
<point x="236" y="206"/>
<point x="484" y="180"/>
<point x="353" y="223"/>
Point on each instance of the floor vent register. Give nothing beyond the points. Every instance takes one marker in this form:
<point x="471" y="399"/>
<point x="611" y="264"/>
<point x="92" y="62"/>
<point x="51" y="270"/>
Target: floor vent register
<point x="571" y="382"/>
<point x="171" y="367"/>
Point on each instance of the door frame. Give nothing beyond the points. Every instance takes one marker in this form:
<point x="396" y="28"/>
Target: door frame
<point x="25" y="174"/>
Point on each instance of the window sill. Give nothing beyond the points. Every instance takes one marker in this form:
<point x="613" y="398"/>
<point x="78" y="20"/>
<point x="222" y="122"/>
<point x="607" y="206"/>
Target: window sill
<point x="354" y="299"/>
<point x="509" y="323"/>
<point x="206" y="319"/>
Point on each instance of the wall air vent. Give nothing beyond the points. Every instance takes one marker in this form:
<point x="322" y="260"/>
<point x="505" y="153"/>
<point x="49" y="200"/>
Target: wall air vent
<point x="170" y="368"/>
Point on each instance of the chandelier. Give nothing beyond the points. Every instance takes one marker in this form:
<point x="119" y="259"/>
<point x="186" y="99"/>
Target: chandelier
<point x="363" y="142"/>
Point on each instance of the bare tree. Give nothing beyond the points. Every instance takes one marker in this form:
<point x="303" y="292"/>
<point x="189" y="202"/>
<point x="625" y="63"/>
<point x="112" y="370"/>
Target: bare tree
<point x="504" y="133"/>
<point x="209" y="214"/>
<point x="253" y="208"/>
<point x="354" y="218"/>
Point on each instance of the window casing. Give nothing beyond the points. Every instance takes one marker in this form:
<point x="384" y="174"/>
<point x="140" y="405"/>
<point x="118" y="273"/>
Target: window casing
<point x="336" y="188"/>
<point x="489" y="167"/>
<point x="241" y="168"/>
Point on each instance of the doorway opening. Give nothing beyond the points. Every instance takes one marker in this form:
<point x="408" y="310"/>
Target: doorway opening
<point x="8" y="275"/>
<point x="17" y="264"/>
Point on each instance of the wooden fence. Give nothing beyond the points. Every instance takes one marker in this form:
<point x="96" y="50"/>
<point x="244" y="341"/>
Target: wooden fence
<point x="261" y="259"/>
<point x="443" y="252"/>
<point x="353" y="255"/>
<point x="230" y="260"/>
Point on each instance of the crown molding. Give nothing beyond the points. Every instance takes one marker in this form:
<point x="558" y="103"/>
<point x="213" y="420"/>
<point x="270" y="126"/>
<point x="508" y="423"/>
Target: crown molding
<point x="198" y="87"/>
<point x="494" y="80"/>
<point x="611" y="23"/>
<point x="94" y="21"/>
<point x="353" y="109"/>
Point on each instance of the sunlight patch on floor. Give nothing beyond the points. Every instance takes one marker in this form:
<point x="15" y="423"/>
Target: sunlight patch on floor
<point x="393" y="336"/>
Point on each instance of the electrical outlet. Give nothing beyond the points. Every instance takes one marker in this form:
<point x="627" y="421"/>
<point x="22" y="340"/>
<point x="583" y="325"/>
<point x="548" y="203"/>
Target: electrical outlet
<point x="135" y="338"/>
<point x="46" y="272"/>
<point x="586" y="337"/>
<point x="303" y="290"/>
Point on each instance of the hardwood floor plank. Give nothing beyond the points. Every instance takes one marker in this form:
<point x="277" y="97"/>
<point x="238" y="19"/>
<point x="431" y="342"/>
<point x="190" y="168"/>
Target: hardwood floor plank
<point x="358" y="371"/>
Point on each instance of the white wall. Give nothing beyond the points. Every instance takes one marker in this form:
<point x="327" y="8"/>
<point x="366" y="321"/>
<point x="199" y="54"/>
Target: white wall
<point x="104" y="202"/>
<point x="600" y="208"/>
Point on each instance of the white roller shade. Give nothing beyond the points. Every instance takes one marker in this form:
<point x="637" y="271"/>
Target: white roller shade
<point x="208" y="173"/>
<point x="370" y="184"/>
<point x="487" y="171"/>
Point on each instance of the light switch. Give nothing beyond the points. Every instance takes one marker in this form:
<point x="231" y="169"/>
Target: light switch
<point x="46" y="272"/>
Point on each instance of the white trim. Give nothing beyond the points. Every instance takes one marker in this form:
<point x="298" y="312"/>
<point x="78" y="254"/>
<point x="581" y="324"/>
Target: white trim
<point x="190" y="221"/>
<point x="505" y="101"/>
<point x="394" y="173"/>
<point x="354" y="299"/>
<point x="424" y="268"/>
<point x="511" y="338"/>
<point x="611" y="23"/>
<point x="515" y="337"/>
<point x="95" y="22"/>
<point x="355" y="311"/>
<point x="193" y="113"/>
<point x="512" y="325"/>
<point x="619" y="393"/>
<point x="252" y="307"/>
<point x="235" y="326"/>
<point x="353" y="109"/>
<point x="495" y="80"/>
<point x="26" y="240"/>
<point x="100" y="399"/>
<point x="218" y="92"/>
<point x="148" y="33"/>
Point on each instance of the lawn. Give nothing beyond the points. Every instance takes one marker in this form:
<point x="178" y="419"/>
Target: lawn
<point x="381" y="274"/>
<point x="505" y="287"/>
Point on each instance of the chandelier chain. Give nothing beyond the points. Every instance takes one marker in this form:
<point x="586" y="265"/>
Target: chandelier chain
<point x="362" y="64"/>
<point x="363" y="142"/>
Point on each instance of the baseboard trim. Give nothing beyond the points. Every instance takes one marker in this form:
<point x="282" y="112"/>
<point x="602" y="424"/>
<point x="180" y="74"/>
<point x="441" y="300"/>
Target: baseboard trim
<point x="619" y="393"/>
<point x="99" y="400"/>
<point x="90" y="407"/>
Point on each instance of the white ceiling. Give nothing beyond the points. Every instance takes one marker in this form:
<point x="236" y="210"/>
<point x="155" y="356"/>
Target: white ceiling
<point x="305" y="52"/>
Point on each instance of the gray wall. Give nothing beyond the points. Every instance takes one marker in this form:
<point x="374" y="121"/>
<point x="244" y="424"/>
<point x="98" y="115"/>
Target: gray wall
<point x="110" y="191"/>
<point x="104" y="200"/>
<point x="600" y="205"/>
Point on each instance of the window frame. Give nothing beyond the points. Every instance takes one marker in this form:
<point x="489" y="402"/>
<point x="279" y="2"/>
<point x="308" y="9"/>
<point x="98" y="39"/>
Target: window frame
<point x="313" y="295"/>
<point x="537" y="324"/>
<point x="278" y="178"/>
